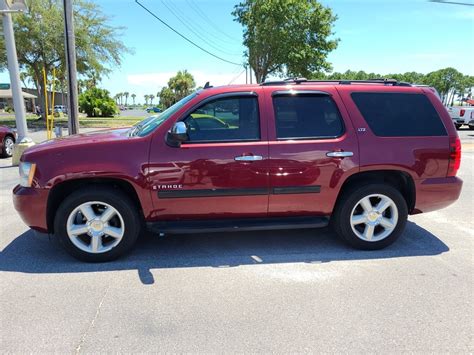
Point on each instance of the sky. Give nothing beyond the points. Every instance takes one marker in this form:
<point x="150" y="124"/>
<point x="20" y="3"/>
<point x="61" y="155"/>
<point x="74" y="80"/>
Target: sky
<point x="381" y="36"/>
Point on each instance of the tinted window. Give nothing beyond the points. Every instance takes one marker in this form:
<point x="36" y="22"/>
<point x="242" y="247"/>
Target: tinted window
<point x="306" y="116"/>
<point x="395" y="114"/>
<point x="227" y="119"/>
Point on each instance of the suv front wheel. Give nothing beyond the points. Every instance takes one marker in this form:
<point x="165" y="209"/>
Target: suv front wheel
<point x="97" y="224"/>
<point x="371" y="217"/>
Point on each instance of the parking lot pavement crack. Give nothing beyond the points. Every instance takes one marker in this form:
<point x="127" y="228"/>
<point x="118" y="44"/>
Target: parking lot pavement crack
<point x="92" y="323"/>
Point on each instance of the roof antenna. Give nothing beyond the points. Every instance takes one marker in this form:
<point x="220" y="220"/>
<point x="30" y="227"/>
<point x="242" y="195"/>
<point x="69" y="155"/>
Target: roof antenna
<point x="207" y="85"/>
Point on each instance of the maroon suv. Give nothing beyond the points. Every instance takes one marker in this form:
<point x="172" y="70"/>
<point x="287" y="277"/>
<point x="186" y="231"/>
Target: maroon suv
<point x="360" y="156"/>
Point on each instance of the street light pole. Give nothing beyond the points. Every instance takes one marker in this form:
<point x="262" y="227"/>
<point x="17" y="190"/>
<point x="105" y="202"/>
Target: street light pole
<point x="14" y="71"/>
<point x="70" y="41"/>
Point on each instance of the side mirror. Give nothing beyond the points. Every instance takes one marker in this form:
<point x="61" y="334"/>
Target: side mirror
<point x="177" y="134"/>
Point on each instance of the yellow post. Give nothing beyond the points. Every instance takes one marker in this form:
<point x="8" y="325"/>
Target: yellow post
<point x="51" y="124"/>
<point x="46" y="109"/>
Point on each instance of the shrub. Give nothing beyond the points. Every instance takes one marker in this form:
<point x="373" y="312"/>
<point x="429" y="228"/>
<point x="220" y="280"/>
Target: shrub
<point x="97" y="102"/>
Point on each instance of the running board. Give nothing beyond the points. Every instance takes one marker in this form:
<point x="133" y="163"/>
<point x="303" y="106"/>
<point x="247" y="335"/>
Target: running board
<point x="236" y="225"/>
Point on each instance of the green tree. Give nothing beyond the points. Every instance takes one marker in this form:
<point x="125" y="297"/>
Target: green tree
<point x="167" y="97"/>
<point x="182" y="84"/>
<point x="126" y="94"/>
<point x="146" y="99"/>
<point x="286" y="37"/>
<point x="179" y="86"/>
<point x="151" y="97"/>
<point x="39" y="35"/>
<point x="133" y="98"/>
<point x="445" y="81"/>
<point x="97" y="102"/>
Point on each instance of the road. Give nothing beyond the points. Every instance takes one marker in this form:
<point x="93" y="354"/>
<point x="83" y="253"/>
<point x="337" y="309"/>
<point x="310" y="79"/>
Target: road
<point x="285" y="291"/>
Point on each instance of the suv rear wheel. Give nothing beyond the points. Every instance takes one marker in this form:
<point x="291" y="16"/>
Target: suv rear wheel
<point x="371" y="217"/>
<point x="97" y="225"/>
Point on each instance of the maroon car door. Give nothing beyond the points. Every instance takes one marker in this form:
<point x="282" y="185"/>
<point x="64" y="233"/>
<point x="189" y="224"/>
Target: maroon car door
<point x="220" y="171"/>
<point x="313" y="148"/>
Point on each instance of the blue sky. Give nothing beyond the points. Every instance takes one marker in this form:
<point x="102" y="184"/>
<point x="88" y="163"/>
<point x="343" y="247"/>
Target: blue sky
<point x="379" y="36"/>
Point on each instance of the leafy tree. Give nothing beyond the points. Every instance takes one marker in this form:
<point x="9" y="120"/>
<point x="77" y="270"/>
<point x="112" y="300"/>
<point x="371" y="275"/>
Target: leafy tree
<point x="182" y="84"/>
<point x="39" y="35"/>
<point x="179" y="86"/>
<point x="146" y="99"/>
<point x="151" y="98"/>
<point x="167" y="97"/>
<point x="445" y="81"/>
<point x="126" y="94"/>
<point x="96" y="102"/>
<point x="286" y="37"/>
<point x="133" y="98"/>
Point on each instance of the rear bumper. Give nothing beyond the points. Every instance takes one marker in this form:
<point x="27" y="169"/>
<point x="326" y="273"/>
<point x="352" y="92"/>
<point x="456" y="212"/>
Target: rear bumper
<point x="31" y="205"/>
<point x="436" y="193"/>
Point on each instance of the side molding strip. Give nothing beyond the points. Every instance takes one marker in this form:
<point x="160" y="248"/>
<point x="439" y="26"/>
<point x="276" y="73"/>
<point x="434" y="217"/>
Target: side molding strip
<point x="238" y="192"/>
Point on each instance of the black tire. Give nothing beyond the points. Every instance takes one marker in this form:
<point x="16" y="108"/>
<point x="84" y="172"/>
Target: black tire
<point x="116" y="199"/>
<point x="471" y="128"/>
<point x="458" y="126"/>
<point x="6" y="141"/>
<point x="341" y="218"/>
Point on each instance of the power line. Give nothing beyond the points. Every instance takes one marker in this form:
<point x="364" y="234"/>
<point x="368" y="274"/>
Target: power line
<point x="195" y="6"/>
<point x="451" y="2"/>
<point x="197" y="22"/>
<point x="195" y="31"/>
<point x="184" y="37"/>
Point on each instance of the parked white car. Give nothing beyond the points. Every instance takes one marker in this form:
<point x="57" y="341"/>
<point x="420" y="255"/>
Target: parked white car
<point x="462" y="115"/>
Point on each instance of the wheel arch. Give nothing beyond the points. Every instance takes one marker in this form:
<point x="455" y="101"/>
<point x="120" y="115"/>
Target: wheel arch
<point x="401" y="180"/>
<point x="60" y="191"/>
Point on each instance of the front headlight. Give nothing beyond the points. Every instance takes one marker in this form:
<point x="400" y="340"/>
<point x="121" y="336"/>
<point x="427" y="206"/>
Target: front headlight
<point x="27" y="171"/>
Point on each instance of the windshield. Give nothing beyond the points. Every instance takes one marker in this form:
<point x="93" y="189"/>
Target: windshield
<point x="149" y="124"/>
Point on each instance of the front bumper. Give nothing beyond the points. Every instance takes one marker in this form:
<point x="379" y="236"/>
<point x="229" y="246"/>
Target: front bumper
<point x="436" y="193"/>
<point x="31" y="205"/>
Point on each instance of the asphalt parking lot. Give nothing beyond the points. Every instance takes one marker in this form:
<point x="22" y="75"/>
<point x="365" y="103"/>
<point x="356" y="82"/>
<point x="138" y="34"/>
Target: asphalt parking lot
<point x="276" y="291"/>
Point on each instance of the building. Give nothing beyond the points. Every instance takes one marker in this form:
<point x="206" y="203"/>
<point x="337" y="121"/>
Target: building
<point x="6" y="100"/>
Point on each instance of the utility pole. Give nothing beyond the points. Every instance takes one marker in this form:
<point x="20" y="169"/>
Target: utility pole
<point x="250" y="73"/>
<point x="13" y="69"/>
<point x="70" y="41"/>
<point x="18" y="104"/>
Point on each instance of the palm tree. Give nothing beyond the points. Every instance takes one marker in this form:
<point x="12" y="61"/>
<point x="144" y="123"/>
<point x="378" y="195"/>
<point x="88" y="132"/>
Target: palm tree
<point x="133" y="98"/>
<point x="182" y="84"/>
<point x="126" y="97"/>
<point x="151" y="98"/>
<point x="146" y="99"/>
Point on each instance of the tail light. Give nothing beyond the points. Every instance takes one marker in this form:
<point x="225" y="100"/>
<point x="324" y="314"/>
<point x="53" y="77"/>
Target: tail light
<point x="462" y="112"/>
<point x="454" y="156"/>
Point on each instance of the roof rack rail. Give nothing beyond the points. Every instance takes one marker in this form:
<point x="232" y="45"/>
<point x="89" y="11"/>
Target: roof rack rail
<point x="384" y="81"/>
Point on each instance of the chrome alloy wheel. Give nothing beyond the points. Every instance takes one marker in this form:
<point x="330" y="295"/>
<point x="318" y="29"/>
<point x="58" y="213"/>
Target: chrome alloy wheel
<point x="374" y="217"/>
<point x="8" y="146"/>
<point x="95" y="227"/>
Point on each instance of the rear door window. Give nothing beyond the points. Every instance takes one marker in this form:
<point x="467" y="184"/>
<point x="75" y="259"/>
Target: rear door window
<point x="399" y="114"/>
<point x="307" y="116"/>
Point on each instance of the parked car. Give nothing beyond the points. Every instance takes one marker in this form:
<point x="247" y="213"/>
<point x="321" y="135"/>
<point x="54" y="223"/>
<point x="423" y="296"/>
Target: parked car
<point x="153" y="109"/>
<point x="461" y="115"/>
<point x="8" y="138"/>
<point x="358" y="156"/>
<point x="60" y="109"/>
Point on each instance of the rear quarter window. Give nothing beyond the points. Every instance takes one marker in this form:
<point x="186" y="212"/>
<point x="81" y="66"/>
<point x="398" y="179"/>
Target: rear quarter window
<point x="399" y="114"/>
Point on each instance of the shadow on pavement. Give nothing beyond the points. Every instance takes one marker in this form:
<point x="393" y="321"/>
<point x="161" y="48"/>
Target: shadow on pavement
<point x="34" y="253"/>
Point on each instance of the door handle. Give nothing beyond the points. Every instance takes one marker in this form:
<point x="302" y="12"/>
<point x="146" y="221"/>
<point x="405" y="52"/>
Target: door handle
<point x="248" y="158"/>
<point x="339" y="154"/>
